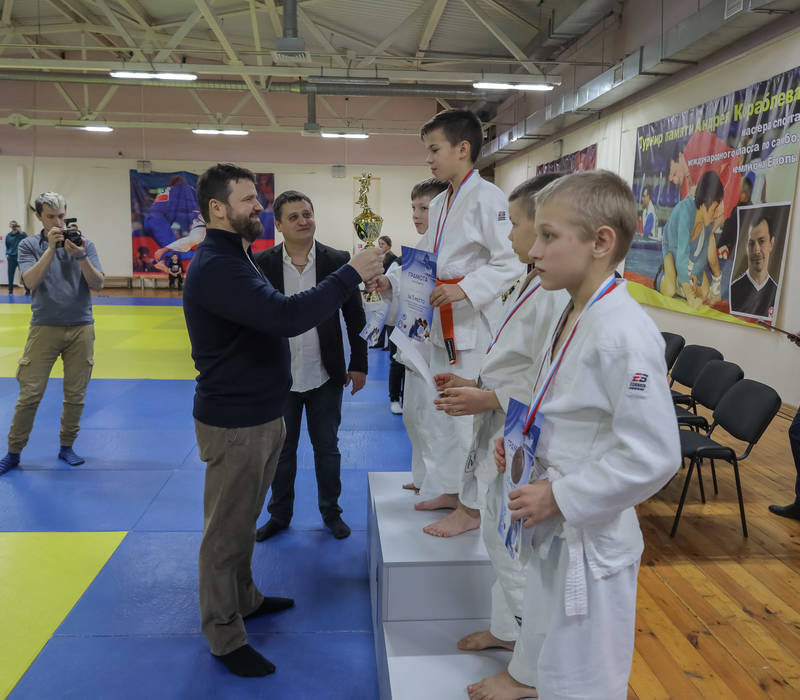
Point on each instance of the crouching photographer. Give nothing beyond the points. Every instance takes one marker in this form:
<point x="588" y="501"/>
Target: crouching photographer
<point x="60" y="266"/>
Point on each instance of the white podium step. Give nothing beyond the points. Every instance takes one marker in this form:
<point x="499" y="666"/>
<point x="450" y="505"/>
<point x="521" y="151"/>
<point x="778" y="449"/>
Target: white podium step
<point x="425" y="664"/>
<point x="417" y="583"/>
<point x="420" y="577"/>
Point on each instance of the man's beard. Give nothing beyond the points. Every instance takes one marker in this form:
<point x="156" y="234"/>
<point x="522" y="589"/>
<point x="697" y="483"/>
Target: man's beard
<point x="246" y="227"/>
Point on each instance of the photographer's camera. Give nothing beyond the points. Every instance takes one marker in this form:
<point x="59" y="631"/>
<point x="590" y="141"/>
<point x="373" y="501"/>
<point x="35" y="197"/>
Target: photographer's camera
<point x="71" y="233"/>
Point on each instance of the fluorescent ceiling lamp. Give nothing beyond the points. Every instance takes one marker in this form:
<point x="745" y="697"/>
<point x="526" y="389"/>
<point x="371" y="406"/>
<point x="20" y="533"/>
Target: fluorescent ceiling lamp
<point x="229" y="132"/>
<point x="328" y="135"/>
<point x="512" y="86"/>
<point x="97" y="127"/>
<point x="136" y="75"/>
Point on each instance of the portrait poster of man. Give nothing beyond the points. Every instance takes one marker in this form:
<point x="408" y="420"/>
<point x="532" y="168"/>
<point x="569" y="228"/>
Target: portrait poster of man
<point x="695" y="174"/>
<point x="166" y="221"/>
<point x="758" y="260"/>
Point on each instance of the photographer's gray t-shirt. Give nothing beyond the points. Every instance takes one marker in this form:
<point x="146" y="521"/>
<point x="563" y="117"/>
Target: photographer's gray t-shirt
<point x="63" y="298"/>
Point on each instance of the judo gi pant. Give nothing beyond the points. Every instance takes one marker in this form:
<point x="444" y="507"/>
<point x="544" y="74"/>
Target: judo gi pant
<point x="508" y="589"/>
<point x="582" y="656"/>
<point x="418" y="410"/>
<point x="451" y="436"/>
<point x="240" y="465"/>
<point x="75" y="346"/>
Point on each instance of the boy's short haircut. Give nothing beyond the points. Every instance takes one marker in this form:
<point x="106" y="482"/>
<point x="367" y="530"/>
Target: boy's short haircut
<point x="597" y="198"/>
<point x="709" y="190"/>
<point x="284" y="198"/>
<point x="428" y="188"/>
<point x="458" y="125"/>
<point x="527" y="191"/>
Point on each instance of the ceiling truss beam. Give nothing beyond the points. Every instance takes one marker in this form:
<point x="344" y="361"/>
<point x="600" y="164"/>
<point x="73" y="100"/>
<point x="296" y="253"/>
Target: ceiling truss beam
<point x="430" y="27"/>
<point x="215" y="27"/>
<point x="501" y="36"/>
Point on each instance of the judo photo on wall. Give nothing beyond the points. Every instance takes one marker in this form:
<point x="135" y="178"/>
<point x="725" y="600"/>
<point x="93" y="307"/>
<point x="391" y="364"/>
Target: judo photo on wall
<point x="697" y="174"/>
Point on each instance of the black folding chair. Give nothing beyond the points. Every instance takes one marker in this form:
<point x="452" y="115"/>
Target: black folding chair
<point x="713" y="381"/>
<point x="745" y="411"/>
<point x="674" y="343"/>
<point x="689" y="364"/>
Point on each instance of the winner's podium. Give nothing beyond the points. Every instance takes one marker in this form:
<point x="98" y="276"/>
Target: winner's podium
<point x="427" y="592"/>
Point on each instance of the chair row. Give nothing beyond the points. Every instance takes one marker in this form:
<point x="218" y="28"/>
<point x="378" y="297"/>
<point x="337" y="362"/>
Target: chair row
<point x="742" y="407"/>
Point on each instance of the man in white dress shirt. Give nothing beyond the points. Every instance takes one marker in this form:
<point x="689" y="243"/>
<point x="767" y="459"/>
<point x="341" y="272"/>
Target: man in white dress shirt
<point x="318" y="367"/>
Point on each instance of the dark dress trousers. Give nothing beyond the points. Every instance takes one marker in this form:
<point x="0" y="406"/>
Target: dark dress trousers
<point x="323" y="405"/>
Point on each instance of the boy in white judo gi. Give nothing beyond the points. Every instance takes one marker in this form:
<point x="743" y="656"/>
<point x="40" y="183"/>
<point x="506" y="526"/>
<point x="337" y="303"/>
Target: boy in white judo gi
<point x="417" y="407"/>
<point x="469" y="233"/>
<point x="529" y="315"/>
<point x="608" y="441"/>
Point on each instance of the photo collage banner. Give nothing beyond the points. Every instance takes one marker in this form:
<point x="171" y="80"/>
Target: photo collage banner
<point x="715" y="186"/>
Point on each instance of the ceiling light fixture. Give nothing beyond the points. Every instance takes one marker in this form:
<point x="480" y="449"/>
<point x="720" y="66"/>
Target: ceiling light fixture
<point x="97" y="127"/>
<point x="329" y="135"/>
<point x="543" y="87"/>
<point x="228" y="132"/>
<point x="140" y="75"/>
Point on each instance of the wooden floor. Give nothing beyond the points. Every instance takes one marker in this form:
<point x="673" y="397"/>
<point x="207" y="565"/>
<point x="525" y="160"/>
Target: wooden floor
<point x="718" y="614"/>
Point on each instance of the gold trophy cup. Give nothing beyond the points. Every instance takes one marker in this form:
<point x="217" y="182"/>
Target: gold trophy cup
<point x="367" y="224"/>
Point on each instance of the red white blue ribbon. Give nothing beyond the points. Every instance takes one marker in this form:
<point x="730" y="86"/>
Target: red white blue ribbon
<point x="446" y="210"/>
<point x="519" y="303"/>
<point x="606" y="288"/>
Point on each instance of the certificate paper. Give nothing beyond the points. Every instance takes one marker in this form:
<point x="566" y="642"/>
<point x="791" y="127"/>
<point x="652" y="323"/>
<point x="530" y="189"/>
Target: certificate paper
<point x="412" y="354"/>
<point x="376" y="312"/>
<point x="520" y="450"/>
<point x="417" y="281"/>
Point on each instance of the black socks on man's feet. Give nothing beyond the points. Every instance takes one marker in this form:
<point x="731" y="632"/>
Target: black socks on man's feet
<point x="247" y="662"/>
<point x="273" y="527"/>
<point x="271" y="605"/>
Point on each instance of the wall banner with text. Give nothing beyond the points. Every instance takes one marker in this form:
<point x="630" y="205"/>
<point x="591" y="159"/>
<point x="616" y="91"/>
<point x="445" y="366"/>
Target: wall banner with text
<point x="715" y="186"/>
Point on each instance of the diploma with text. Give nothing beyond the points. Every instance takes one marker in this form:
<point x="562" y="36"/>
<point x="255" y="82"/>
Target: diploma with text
<point x="417" y="281"/>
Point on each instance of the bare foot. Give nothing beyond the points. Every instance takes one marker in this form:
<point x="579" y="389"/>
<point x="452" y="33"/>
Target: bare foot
<point x="478" y="641"/>
<point x="410" y="487"/>
<point x="500" y="687"/>
<point x="456" y="523"/>
<point x="446" y="500"/>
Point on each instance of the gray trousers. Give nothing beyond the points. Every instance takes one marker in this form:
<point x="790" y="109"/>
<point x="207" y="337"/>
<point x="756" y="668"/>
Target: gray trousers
<point x="240" y="465"/>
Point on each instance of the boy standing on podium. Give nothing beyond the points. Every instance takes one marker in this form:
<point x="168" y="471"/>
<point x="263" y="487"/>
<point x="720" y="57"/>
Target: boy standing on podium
<point x="602" y="433"/>
<point x="468" y="231"/>
<point x="530" y="314"/>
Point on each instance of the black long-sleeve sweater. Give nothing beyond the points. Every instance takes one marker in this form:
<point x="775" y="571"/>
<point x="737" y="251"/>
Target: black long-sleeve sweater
<point x="238" y="324"/>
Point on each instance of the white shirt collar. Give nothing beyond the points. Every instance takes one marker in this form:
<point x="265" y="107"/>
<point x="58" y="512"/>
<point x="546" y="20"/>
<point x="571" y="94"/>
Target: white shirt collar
<point x="312" y="254"/>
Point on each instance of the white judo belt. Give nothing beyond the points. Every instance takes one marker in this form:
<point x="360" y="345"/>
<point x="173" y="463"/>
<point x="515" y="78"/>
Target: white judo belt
<point x="576" y="600"/>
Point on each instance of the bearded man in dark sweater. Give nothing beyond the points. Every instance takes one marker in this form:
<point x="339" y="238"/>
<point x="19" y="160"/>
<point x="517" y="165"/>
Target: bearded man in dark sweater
<point x="238" y="324"/>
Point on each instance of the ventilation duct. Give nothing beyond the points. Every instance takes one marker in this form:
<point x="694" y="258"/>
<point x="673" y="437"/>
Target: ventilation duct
<point x="692" y="39"/>
<point x="290" y="49"/>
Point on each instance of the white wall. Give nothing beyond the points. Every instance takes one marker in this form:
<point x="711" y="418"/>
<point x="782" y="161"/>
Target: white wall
<point x="764" y="356"/>
<point x="98" y="193"/>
